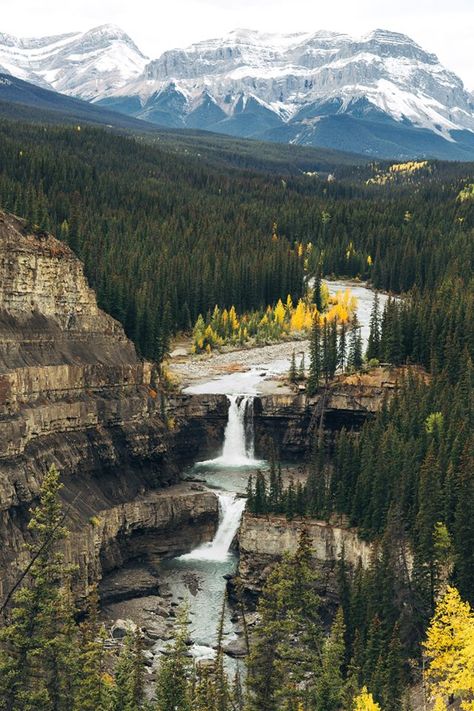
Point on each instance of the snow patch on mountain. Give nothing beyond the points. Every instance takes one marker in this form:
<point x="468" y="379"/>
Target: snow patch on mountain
<point x="285" y="87"/>
<point x="84" y="64"/>
<point x="288" y="72"/>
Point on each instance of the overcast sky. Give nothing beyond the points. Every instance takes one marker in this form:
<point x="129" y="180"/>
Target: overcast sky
<point x="441" y="26"/>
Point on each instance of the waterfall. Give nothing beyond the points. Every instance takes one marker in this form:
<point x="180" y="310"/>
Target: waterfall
<point x="230" y="512"/>
<point x="238" y="451"/>
<point x="239" y="447"/>
<point x="249" y="428"/>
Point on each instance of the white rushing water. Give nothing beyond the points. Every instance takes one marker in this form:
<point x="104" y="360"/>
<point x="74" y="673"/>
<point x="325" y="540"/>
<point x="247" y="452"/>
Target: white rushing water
<point x="199" y="575"/>
<point x="230" y="512"/>
<point x="365" y="301"/>
<point x="238" y="448"/>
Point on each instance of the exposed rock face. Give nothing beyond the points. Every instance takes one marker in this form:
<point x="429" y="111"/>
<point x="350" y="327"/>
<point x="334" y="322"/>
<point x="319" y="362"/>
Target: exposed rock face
<point x="73" y="392"/>
<point x="290" y="421"/>
<point x="263" y="540"/>
<point x="199" y="422"/>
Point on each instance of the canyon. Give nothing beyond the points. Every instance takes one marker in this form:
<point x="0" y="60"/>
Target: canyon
<point x="152" y="506"/>
<point x="74" y="393"/>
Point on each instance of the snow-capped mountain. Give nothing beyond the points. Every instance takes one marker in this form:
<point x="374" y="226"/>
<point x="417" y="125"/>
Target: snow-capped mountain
<point x="379" y="94"/>
<point x="84" y="64"/>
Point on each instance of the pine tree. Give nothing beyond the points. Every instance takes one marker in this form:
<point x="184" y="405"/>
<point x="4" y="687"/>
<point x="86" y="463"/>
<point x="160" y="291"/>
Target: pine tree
<point x="373" y="345"/>
<point x="393" y="683"/>
<point x="128" y="691"/>
<point x="260" y="494"/>
<point x="342" y="348"/>
<point x="287" y="642"/>
<point x="94" y="684"/>
<point x="293" y="374"/>
<point x="318" y="299"/>
<point x="355" y="345"/>
<point x="174" y="671"/>
<point x="315" y="358"/>
<point x="329" y="688"/>
<point x="429" y="513"/>
<point x="333" y="350"/>
<point x="463" y="526"/>
<point x="238" y="700"/>
<point x="220" y="677"/>
<point x="38" y="651"/>
<point x="302" y="368"/>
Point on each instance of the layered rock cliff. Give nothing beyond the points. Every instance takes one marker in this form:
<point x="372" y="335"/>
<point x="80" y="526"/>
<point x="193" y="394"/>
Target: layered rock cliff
<point x="74" y="393"/>
<point x="264" y="539"/>
<point x="289" y="422"/>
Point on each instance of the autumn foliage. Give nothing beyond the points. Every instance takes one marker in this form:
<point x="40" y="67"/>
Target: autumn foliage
<point x="283" y="320"/>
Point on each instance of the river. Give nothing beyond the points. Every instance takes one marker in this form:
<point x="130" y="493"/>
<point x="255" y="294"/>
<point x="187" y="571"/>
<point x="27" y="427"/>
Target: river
<point x="199" y="575"/>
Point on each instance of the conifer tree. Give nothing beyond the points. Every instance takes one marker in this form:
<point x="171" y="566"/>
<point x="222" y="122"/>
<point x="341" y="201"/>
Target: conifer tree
<point x="287" y="643"/>
<point x="238" y="700"/>
<point x="38" y="653"/>
<point x="463" y="526"/>
<point x="220" y="678"/>
<point x="315" y="358"/>
<point x="373" y="344"/>
<point x="293" y="374"/>
<point x="302" y="368"/>
<point x="318" y="299"/>
<point x="329" y="688"/>
<point x="393" y="683"/>
<point x="172" y="689"/>
<point x="355" y="345"/>
<point x="94" y="683"/>
<point x="429" y="514"/>
<point x="129" y="675"/>
<point x="342" y="347"/>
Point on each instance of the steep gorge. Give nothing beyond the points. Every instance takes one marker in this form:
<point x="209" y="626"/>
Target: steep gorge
<point x="74" y="393"/>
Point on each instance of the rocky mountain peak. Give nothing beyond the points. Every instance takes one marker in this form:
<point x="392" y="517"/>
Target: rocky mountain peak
<point x="270" y="86"/>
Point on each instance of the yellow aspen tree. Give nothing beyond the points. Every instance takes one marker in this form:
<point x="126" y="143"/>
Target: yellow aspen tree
<point x="365" y="701"/>
<point x="298" y="316"/>
<point x="234" y="321"/>
<point x="449" y="647"/>
<point x="279" y="312"/>
<point x="308" y="319"/>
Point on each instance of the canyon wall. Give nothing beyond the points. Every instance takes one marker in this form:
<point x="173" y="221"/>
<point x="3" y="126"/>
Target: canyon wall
<point x="264" y="539"/>
<point x="74" y="393"/>
<point x="289" y="421"/>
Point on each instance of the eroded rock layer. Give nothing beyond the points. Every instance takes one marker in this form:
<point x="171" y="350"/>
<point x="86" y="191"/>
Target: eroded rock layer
<point x="74" y="393"/>
<point x="263" y="539"/>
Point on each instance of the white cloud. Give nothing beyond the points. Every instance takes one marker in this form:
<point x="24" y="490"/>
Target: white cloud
<point x="446" y="29"/>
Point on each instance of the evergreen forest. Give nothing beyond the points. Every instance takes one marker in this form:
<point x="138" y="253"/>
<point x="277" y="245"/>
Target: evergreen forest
<point x="171" y="242"/>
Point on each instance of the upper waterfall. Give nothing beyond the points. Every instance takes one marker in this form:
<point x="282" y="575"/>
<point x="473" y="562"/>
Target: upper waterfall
<point x="238" y="449"/>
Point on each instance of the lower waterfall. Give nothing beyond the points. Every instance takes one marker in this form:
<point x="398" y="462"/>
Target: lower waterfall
<point x="230" y="512"/>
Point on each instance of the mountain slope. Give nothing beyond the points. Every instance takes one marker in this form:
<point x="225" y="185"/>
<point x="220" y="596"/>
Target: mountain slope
<point x="291" y="88"/>
<point x="380" y="94"/>
<point x="25" y="101"/>
<point x="83" y="64"/>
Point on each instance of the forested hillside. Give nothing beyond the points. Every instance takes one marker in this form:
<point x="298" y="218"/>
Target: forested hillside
<point x="165" y="236"/>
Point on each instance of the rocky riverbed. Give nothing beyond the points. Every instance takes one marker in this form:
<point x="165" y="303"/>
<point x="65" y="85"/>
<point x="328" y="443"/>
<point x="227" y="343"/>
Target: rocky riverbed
<point x="192" y="371"/>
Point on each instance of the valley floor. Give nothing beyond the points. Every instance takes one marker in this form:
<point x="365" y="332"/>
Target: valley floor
<point x="192" y="370"/>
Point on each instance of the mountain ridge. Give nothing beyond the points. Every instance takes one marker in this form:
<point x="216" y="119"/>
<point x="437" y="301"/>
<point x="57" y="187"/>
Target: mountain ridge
<point x="280" y="87"/>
